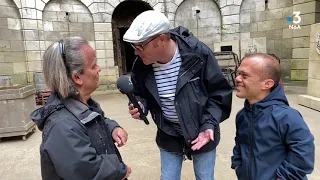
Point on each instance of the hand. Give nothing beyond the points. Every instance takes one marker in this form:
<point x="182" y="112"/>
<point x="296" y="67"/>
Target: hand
<point x="120" y="136"/>
<point x="134" y="111"/>
<point x="203" y="138"/>
<point x="128" y="173"/>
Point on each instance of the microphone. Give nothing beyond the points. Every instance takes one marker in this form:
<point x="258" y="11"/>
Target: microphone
<point x="125" y="86"/>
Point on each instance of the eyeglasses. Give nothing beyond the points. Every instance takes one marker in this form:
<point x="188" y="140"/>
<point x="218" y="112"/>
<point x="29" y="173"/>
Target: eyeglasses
<point x="142" y="46"/>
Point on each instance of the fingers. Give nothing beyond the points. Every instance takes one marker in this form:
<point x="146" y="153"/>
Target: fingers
<point x="134" y="112"/>
<point x="211" y="134"/>
<point x="123" y="136"/>
<point x="195" y="141"/>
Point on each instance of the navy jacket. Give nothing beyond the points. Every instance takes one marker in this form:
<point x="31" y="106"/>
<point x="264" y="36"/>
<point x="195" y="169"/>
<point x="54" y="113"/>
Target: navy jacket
<point x="202" y="100"/>
<point x="77" y="141"/>
<point x="272" y="140"/>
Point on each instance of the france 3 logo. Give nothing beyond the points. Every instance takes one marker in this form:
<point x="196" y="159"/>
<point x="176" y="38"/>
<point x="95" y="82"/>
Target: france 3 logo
<point x="296" y="19"/>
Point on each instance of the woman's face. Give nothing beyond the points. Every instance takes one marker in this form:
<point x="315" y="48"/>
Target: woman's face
<point x="90" y="77"/>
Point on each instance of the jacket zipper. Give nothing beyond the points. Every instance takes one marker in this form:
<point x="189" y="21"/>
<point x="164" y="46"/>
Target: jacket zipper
<point x="251" y="144"/>
<point x="188" y="69"/>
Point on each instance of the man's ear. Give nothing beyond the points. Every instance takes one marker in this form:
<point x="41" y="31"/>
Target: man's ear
<point x="268" y="84"/>
<point x="76" y="79"/>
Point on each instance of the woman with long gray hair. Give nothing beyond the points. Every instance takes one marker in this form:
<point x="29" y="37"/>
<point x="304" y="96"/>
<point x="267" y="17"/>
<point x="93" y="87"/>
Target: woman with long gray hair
<point x="77" y="139"/>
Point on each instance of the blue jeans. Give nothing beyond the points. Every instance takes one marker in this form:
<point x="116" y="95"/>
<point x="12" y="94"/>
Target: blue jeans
<point x="203" y="165"/>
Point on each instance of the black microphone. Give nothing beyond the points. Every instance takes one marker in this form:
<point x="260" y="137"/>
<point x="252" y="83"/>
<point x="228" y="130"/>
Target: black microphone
<point x="125" y="86"/>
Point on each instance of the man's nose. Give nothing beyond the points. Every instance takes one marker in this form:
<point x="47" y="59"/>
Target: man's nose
<point x="238" y="79"/>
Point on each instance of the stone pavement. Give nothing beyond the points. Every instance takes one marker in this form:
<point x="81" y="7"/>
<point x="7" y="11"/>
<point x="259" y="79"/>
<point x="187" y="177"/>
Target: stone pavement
<point x="20" y="159"/>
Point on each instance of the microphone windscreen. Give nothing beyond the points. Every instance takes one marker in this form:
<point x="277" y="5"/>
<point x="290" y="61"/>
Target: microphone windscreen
<point x="124" y="84"/>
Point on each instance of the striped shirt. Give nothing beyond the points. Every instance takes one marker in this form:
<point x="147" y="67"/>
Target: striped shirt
<point x="166" y="76"/>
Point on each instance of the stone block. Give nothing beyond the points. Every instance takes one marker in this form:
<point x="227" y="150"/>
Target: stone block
<point x="285" y="3"/>
<point x="233" y="19"/>
<point x="286" y="43"/>
<point x="16" y="46"/>
<point x="259" y="16"/>
<point x="245" y="27"/>
<point x="50" y="16"/>
<point x="101" y="54"/>
<point x="260" y="5"/>
<point x="31" y="35"/>
<point x="19" y="78"/>
<point x="299" y="75"/>
<point x="41" y="35"/>
<point x="53" y="6"/>
<point x="230" y="37"/>
<point x="287" y="12"/>
<point x="300" y="64"/>
<point x="110" y="62"/>
<point x="40" y="5"/>
<point x="313" y="87"/>
<point x="267" y="25"/>
<point x="308" y="19"/>
<point x="229" y="29"/>
<point x="258" y="34"/>
<point x="5" y="45"/>
<point x="245" y="18"/>
<point x="28" y="13"/>
<point x="6" y="68"/>
<point x="101" y="17"/>
<point x="52" y="36"/>
<point x="34" y="66"/>
<point x="19" y="67"/>
<point x="80" y="8"/>
<point x="286" y="53"/>
<point x="274" y="14"/>
<point x="274" y="34"/>
<point x="85" y="18"/>
<point x="260" y="42"/>
<point x="42" y="46"/>
<point x="314" y="67"/>
<point x="230" y="10"/>
<point x="270" y="44"/>
<point x="60" y="26"/>
<point x="102" y="63"/>
<point x="246" y="44"/>
<point x="47" y="26"/>
<point x="89" y="36"/>
<point x="253" y="27"/>
<point x="300" y="53"/>
<point x="301" y="42"/>
<point x="109" y="53"/>
<point x="40" y="25"/>
<point x="76" y="27"/>
<point x="245" y="36"/>
<point x="33" y="55"/>
<point x="285" y="69"/>
<point x="287" y="33"/>
<point x="7" y="12"/>
<point x="309" y="101"/>
<point x="13" y="23"/>
<point x="32" y="45"/>
<point x="305" y="8"/>
<point x="102" y="27"/>
<point x="9" y="57"/>
<point x="109" y="44"/>
<point x="29" y="24"/>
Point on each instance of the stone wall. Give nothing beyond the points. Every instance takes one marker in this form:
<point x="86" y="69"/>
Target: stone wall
<point x="206" y="24"/>
<point x="312" y="99"/>
<point x="12" y="57"/>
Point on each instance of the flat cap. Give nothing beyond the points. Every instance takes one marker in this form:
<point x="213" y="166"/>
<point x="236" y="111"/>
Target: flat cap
<point x="145" y="25"/>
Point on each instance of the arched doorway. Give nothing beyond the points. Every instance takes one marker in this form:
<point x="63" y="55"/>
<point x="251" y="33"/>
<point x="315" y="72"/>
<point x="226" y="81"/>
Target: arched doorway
<point x="122" y="17"/>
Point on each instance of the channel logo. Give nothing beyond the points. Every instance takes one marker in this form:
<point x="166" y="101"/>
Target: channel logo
<point x="296" y="19"/>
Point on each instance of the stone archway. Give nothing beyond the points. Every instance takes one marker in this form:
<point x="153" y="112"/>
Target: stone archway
<point x="122" y="17"/>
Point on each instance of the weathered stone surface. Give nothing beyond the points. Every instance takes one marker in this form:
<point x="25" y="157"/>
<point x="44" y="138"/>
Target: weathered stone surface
<point x="301" y="42"/>
<point x="300" y="64"/>
<point x="299" y="75"/>
<point x="300" y="53"/>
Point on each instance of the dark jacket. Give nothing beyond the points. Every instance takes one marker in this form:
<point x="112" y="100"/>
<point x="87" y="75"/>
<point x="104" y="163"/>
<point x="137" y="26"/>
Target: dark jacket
<point x="76" y="141"/>
<point x="203" y="95"/>
<point x="272" y="140"/>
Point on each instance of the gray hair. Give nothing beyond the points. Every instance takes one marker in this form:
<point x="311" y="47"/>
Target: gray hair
<point x="58" y="70"/>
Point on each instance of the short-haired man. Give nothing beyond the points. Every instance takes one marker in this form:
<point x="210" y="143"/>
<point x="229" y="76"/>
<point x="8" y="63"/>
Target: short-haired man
<point x="178" y="80"/>
<point x="272" y="139"/>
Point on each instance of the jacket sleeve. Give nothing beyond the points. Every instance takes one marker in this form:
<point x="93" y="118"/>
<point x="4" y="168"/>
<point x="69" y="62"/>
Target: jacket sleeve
<point x="111" y="124"/>
<point x="219" y="92"/>
<point x="74" y="158"/>
<point x="300" y="144"/>
<point x="236" y="158"/>
<point x="138" y="93"/>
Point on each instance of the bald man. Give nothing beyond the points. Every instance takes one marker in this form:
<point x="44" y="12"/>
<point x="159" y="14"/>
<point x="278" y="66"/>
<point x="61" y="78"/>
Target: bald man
<point x="272" y="139"/>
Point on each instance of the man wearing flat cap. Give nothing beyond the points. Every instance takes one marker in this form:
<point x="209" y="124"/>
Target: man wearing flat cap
<point x="178" y="80"/>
